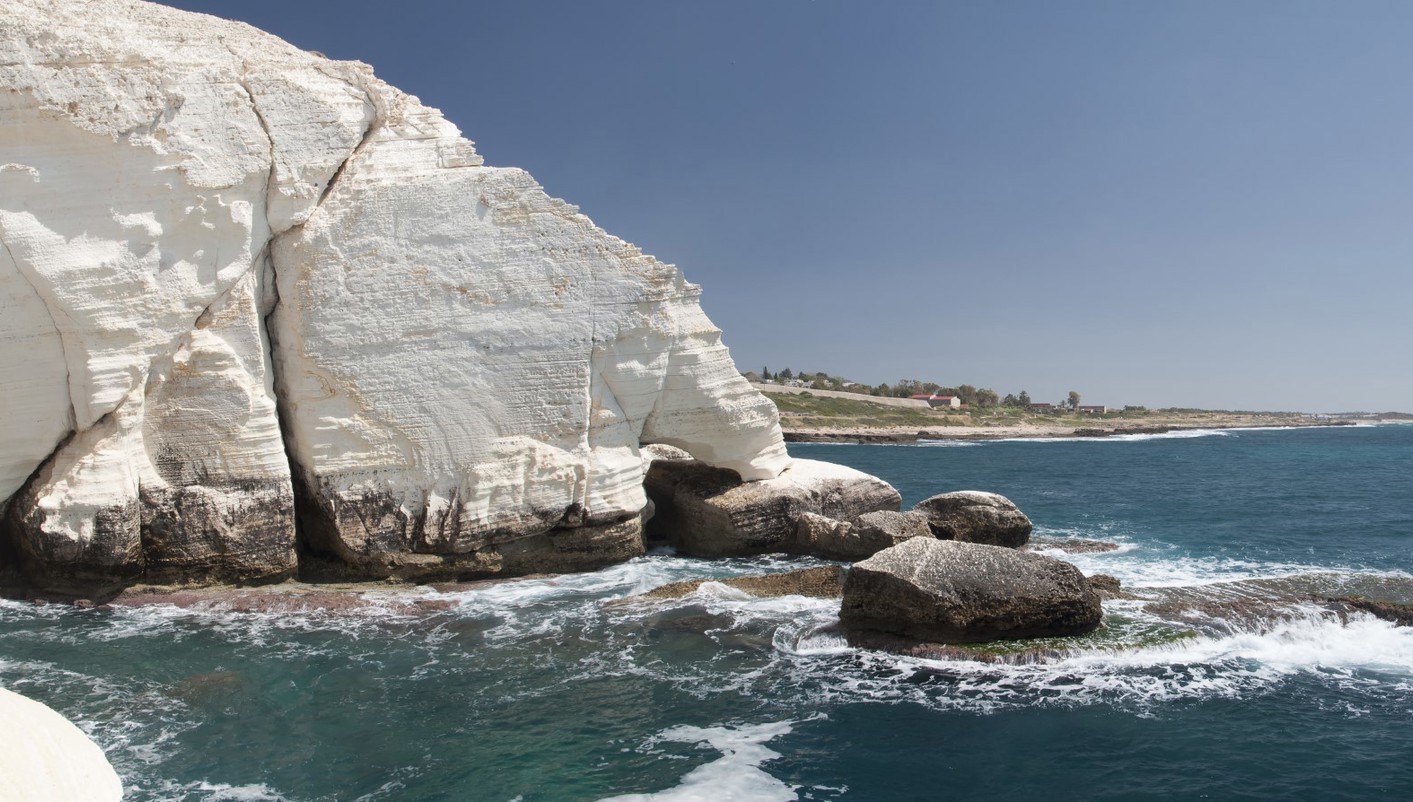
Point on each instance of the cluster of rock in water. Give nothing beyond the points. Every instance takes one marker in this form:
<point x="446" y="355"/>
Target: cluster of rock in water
<point x="948" y="571"/>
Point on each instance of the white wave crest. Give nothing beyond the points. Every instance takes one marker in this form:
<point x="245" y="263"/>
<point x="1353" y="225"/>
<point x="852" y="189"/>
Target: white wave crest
<point x="214" y="792"/>
<point x="1360" y="653"/>
<point x="1180" y="434"/>
<point x="735" y="776"/>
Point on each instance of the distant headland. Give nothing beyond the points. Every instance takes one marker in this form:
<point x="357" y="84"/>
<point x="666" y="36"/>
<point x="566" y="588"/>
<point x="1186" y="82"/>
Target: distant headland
<point x="817" y="407"/>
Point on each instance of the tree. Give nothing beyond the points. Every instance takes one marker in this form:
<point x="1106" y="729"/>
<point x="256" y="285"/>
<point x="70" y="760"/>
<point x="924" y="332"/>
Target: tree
<point x="986" y="397"/>
<point x="765" y="374"/>
<point x="1074" y="400"/>
<point x="968" y="394"/>
<point x="1010" y="400"/>
<point x="1023" y="399"/>
<point x="786" y="374"/>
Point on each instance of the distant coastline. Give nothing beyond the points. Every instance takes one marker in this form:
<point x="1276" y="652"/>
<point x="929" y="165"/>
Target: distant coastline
<point x="833" y="418"/>
<point x="1096" y="430"/>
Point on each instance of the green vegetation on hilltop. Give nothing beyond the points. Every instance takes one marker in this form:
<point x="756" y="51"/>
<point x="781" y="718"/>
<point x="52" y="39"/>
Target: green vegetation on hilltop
<point x="809" y="411"/>
<point x="803" y="410"/>
<point x="982" y="398"/>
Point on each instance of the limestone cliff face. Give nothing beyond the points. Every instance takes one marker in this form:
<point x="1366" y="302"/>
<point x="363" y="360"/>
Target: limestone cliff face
<point x="242" y="283"/>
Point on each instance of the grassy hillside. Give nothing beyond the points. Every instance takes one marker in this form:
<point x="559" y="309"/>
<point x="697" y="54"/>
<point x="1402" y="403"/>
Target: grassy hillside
<point x="805" y="411"/>
<point x="809" y="411"/>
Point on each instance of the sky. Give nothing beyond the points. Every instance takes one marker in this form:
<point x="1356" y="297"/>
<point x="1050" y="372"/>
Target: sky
<point x="1197" y="204"/>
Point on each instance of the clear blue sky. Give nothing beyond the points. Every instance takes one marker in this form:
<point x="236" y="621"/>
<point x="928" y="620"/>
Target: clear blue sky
<point x="1179" y="204"/>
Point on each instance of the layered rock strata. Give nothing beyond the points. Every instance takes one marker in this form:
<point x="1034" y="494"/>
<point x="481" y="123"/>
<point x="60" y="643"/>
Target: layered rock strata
<point x="242" y="284"/>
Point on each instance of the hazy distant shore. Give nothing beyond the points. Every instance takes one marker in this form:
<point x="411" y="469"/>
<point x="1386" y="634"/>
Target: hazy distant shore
<point x="1066" y="428"/>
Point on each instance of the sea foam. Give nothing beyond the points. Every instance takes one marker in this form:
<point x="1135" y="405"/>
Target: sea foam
<point x="736" y="776"/>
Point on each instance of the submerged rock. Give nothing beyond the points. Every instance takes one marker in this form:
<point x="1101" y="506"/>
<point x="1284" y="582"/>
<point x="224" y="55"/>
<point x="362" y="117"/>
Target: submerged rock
<point x="1400" y="614"/>
<point x="951" y="592"/>
<point x="973" y="516"/>
<point x="710" y="512"/>
<point x="1071" y="545"/>
<point x="824" y="582"/>
<point x="1108" y="587"/>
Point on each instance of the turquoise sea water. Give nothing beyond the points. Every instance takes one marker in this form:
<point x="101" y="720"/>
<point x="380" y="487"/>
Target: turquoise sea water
<point x="538" y="690"/>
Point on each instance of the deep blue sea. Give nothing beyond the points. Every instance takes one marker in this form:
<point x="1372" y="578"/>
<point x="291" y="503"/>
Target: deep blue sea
<point x="539" y="690"/>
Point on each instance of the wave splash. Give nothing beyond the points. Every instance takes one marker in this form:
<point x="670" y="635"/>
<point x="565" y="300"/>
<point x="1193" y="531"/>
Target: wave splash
<point x="736" y="775"/>
<point x="541" y="638"/>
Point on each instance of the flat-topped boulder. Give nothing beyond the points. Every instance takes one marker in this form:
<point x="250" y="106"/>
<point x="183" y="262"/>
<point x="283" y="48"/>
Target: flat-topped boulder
<point x="974" y="516"/>
<point x="711" y="512"/>
<point x="945" y="591"/>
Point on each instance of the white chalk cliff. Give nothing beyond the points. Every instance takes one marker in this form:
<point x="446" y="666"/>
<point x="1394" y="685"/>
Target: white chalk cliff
<point x="241" y="283"/>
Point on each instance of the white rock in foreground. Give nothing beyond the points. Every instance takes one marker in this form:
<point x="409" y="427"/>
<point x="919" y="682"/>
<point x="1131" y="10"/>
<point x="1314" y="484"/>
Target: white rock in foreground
<point x="465" y="367"/>
<point x="45" y="758"/>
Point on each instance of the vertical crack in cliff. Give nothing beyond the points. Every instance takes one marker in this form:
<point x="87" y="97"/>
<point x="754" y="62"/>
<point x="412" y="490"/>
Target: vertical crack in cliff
<point x="267" y="291"/>
<point x="269" y="138"/>
<point x="374" y="123"/>
<point x="48" y="303"/>
<point x="244" y="81"/>
<point x="312" y="521"/>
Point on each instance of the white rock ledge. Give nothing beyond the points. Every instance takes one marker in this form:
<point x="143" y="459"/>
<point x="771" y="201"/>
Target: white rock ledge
<point x="45" y="758"/>
<point x="233" y="270"/>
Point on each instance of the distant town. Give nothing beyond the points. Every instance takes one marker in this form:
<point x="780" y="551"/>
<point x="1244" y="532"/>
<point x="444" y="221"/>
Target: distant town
<point x="963" y="396"/>
<point x="934" y="395"/>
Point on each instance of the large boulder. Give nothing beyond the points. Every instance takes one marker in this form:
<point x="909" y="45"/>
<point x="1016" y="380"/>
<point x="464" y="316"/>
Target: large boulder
<point x="45" y="758"/>
<point x="949" y="592"/>
<point x="860" y="538"/>
<point x="973" y="516"/>
<point x="711" y="512"/>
